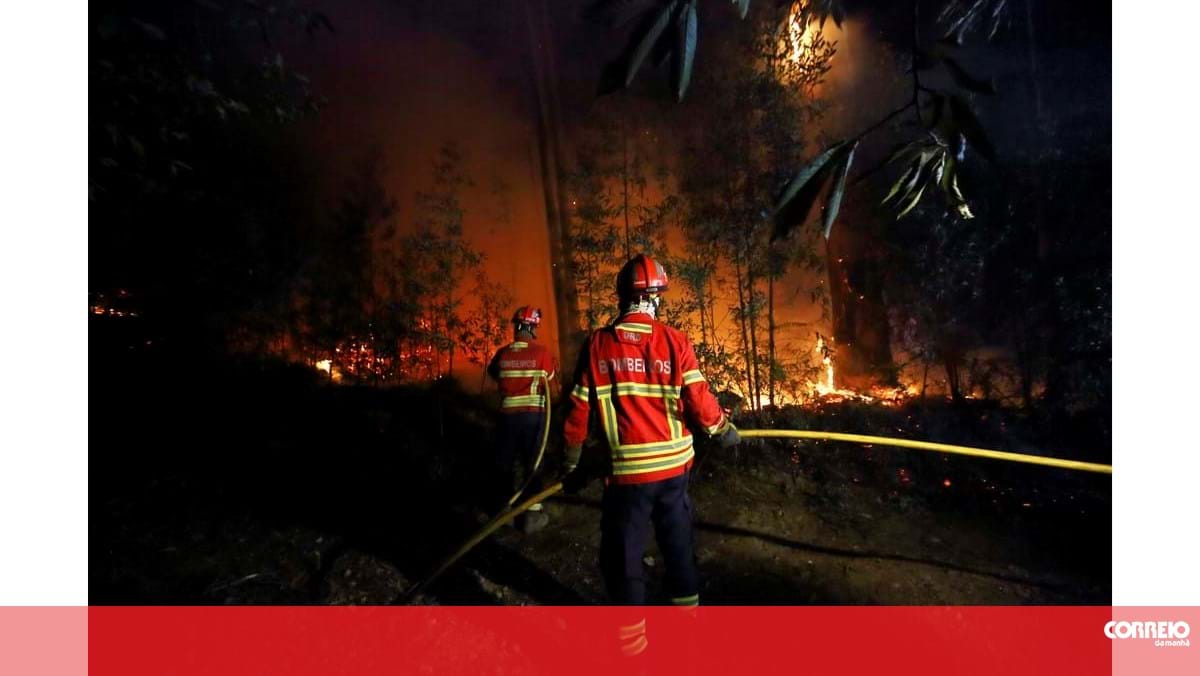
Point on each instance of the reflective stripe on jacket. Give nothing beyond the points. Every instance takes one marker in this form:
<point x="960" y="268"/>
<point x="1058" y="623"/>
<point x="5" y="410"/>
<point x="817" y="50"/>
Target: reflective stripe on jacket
<point x="641" y="378"/>
<point x="518" y="368"/>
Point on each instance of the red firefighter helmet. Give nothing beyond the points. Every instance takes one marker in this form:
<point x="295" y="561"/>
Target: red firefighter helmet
<point x="527" y="315"/>
<point x="642" y="275"/>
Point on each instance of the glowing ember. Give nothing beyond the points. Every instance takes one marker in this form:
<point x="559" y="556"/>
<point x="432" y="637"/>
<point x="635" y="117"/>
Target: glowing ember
<point x="325" y="366"/>
<point x="111" y="312"/>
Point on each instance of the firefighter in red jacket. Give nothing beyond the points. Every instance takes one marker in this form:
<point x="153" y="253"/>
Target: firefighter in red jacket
<point x="641" y="379"/>
<point x="523" y="370"/>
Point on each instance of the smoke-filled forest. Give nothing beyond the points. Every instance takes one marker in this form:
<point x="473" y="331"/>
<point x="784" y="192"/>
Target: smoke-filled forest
<point x="315" y="220"/>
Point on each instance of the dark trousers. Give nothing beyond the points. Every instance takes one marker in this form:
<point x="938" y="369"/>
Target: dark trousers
<point x="629" y="510"/>
<point x="518" y="439"/>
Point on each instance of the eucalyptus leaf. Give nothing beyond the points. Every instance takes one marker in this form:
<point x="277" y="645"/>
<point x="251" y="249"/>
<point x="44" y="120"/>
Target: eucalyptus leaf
<point x="798" y="209"/>
<point x="904" y="178"/>
<point x="648" y="41"/>
<point x="686" y="50"/>
<point x="912" y="203"/>
<point x="917" y="178"/>
<point x="805" y="175"/>
<point x="833" y="205"/>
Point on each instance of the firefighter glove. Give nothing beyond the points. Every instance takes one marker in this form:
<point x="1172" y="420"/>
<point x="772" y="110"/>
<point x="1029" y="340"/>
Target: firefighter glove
<point x="729" y="437"/>
<point x="572" y="458"/>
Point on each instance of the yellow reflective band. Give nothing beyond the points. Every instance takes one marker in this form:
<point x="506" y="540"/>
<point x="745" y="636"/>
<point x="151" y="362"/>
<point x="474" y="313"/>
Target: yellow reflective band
<point x="693" y="600"/>
<point x="652" y="459"/>
<point x="632" y="451"/>
<point x="580" y="392"/>
<point x="674" y="422"/>
<point x="639" y="390"/>
<point x="693" y="376"/>
<point x="522" y="373"/>
<point x="636" y="328"/>
<point x="518" y="344"/>
<point x="624" y="468"/>
<point x="653" y="445"/>
<point x="647" y="390"/>
<point x="522" y="401"/>
<point x="608" y="419"/>
<point x="636" y="648"/>
<point x="550" y="376"/>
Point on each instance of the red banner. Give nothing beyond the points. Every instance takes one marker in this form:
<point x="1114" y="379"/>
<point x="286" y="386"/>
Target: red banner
<point x="236" y="641"/>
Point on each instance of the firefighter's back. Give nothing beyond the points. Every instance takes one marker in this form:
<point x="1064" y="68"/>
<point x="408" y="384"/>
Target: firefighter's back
<point x="522" y="369"/>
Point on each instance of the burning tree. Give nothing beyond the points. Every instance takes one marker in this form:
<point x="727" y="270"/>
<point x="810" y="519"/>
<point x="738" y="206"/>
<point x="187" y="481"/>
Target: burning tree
<point x="754" y="122"/>
<point x="438" y="256"/>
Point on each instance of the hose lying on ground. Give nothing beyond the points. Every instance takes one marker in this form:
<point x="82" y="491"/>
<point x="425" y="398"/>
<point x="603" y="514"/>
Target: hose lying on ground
<point x="929" y="446"/>
<point x="488" y="528"/>
<point x="511" y="514"/>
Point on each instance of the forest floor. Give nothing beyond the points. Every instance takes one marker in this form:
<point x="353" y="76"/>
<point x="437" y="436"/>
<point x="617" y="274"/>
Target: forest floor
<point x="263" y="485"/>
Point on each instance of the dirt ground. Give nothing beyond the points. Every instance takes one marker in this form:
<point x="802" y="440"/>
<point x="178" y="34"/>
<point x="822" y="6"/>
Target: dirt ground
<point x="258" y="484"/>
<point x="765" y="540"/>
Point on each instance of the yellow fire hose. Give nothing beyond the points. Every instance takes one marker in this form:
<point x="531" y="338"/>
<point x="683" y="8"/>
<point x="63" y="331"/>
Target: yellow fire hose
<point x="488" y="528"/>
<point x="929" y="446"/>
<point x="541" y="451"/>
<point x="511" y="514"/>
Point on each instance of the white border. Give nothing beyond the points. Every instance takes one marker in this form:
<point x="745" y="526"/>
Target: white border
<point x="1156" y="345"/>
<point x="43" y="321"/>
<point x="43" y="280"/>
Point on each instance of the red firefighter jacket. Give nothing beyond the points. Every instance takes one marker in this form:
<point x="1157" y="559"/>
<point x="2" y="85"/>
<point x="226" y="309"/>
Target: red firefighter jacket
<point x="519" y="368"/>
<point x="642" y="379"/>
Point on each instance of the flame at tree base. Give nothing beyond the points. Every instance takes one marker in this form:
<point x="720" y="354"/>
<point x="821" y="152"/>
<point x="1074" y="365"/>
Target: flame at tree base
<point x="825" y="390"/>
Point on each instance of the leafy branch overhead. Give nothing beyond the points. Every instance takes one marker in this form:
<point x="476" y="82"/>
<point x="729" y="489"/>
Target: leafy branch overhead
<point x="668" y="30"/>
<point x="931" y="163"/>
<point x="963" y="16"/>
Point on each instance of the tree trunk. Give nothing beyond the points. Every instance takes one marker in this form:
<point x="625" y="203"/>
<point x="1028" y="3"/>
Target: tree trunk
<point x="952" y="366"/>
<point x="753" y="335"/>
<point x="743" y="311"/>
<point x="449" y="331"/>
<point x="625" y="176"/>
<point x="712" y="307"/>
<point x="543" y="76"/>
<point x="771" y="335"/>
